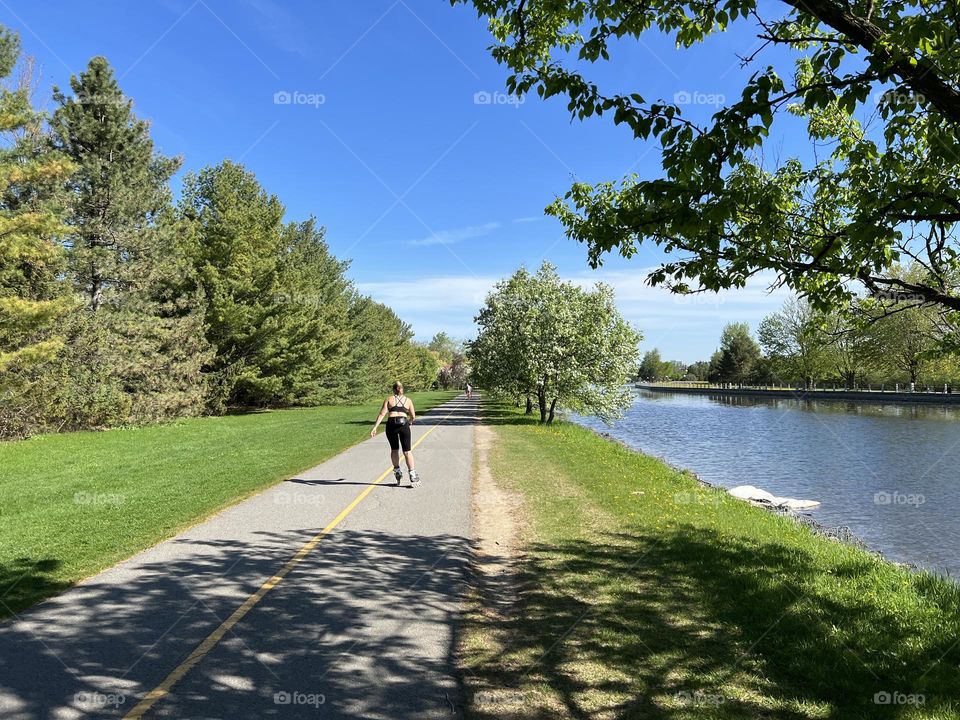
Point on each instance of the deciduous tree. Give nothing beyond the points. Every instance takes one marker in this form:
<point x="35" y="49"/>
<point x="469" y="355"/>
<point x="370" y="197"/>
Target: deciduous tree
<point x="795" y="341"/>
<point x="651" y="365"/>
<point x="826" y="223"/>
<point x="568" y="345"/>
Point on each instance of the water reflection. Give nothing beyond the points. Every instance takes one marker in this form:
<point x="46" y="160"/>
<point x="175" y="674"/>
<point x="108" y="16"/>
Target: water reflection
<point x="858" y="460"/>
<point x="844" y="407"/>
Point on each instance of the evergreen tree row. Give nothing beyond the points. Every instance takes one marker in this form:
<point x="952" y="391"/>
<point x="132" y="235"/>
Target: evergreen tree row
<point x="119" y="305"/>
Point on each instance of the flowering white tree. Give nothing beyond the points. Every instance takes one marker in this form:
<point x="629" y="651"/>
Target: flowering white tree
<point x="567" y="346"/>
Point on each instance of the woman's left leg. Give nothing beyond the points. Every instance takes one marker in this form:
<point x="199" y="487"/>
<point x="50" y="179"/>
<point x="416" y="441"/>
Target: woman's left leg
<point x="408" y="456"/>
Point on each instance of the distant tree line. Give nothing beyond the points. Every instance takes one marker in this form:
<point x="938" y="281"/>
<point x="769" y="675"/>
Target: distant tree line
<point x="870" y="342"/>
<point x="120" y="304"/>
<point x="452" y="359"/>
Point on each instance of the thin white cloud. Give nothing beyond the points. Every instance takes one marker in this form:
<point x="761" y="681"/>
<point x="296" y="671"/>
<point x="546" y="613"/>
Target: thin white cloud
<point x="283" y="28"/>
<point x="631" y="288"/>
<point x="449" y="237"/>
<point x="685" y="327"/>
<point x="529" y="219"/>
<point x="446" y="294"/>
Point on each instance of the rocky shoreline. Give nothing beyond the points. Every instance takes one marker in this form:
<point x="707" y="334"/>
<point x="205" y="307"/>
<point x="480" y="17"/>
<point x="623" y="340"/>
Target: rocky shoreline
<point x="841" y="533"/>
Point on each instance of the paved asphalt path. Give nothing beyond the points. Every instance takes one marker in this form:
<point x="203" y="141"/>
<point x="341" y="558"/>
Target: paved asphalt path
<point x="361" y="625"/>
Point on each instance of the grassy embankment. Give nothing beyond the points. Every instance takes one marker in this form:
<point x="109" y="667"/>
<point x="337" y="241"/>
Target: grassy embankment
<point x="644" y="595"/>
<point x="73" y="504"/>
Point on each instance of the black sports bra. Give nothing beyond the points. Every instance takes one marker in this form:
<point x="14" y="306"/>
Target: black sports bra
<point x="398" y="406"/>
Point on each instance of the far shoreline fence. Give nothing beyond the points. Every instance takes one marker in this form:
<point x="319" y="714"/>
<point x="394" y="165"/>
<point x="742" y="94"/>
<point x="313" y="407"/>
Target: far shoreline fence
<point x="896" y="392"/>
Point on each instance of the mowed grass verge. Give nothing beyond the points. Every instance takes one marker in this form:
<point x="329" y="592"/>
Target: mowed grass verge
<point x="73" y="504"/>
<point x="644" y="595"/>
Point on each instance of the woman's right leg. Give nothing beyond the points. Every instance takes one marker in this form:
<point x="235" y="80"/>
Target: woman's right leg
<point x="394" y="439"/>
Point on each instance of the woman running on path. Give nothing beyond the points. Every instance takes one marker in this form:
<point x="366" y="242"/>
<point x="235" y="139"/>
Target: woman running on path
<point x="400" y="416"/>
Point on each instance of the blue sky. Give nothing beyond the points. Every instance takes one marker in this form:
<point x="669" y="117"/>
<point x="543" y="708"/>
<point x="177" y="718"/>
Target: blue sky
<point x="386" y="120"/>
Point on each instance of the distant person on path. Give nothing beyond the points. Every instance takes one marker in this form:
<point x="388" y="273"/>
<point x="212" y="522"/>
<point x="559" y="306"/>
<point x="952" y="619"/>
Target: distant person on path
<point x="400" y="415"/>
<point x="469" y="391"/>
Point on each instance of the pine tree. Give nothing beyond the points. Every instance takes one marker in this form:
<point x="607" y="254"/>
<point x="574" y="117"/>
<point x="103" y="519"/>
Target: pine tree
<point x="139" y="350"/>
<point x="120" y="187"/>
<point x="381" y="350"/>
<point x="278" y="302"/>
<point x="311" y="358"/>
<point x="237" y="252"/>
<point x="32" y="298"/>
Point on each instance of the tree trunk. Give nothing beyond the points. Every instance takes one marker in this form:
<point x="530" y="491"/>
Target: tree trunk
<point x="529" y="405"/>
<point x="920" y="75"/>
<point x="553" y="406"/>
<point x="542" y="400"/>
<point x="95" y="289"/>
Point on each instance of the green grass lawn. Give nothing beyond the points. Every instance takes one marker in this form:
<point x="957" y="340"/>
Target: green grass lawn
<point x="73" y="504"/>
<point x="644" y="595"/>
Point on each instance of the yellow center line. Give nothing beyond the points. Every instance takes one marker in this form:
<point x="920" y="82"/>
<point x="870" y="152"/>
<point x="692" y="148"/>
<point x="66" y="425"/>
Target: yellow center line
<point x="201" y="651"/>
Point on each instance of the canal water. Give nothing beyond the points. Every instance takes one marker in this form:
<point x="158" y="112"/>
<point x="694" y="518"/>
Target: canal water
<point x="891" y="473"/>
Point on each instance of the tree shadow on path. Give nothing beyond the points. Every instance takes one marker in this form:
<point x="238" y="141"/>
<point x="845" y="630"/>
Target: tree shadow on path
<point x="358" y="622"/>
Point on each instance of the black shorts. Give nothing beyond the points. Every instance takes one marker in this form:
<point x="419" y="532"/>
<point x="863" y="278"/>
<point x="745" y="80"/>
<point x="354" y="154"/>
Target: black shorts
<point x="398" y="433"/>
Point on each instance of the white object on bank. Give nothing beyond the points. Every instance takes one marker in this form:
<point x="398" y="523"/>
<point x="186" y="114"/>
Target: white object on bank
<point x="749" y="492"/>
